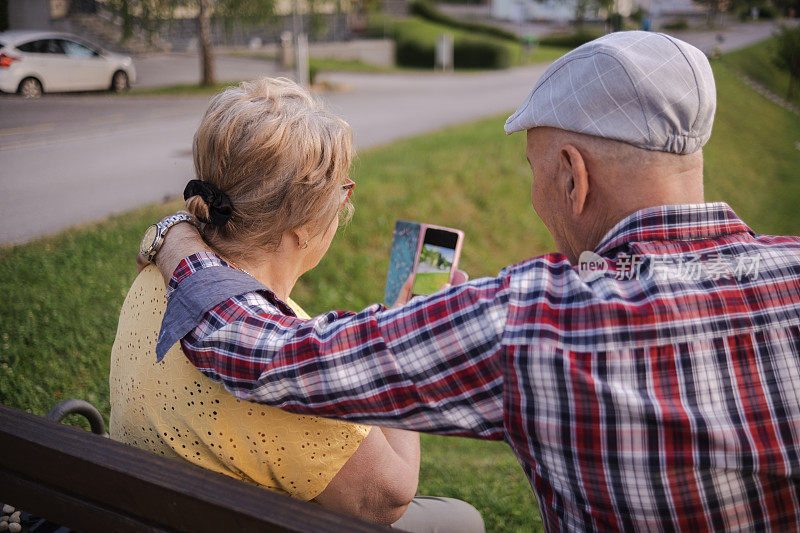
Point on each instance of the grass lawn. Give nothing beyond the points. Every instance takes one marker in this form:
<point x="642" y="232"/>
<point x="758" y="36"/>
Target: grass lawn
<point x="62" y="294"/>
<point x="183" y="89"/>
<point x="757" y="62"/>
<point x="321" y="63"/>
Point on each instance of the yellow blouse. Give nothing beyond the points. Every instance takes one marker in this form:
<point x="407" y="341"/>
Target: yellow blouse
<point x="170" y="408"/>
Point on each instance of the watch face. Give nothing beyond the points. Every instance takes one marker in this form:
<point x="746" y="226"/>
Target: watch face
<point x="149" y="239"/>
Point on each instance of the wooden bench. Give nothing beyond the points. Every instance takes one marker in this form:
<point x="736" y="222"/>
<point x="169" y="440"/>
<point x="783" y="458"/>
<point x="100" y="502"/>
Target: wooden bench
<point x="91" y="483"/>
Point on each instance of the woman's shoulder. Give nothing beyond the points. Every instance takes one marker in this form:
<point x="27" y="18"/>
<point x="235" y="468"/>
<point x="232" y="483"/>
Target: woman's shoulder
<point x="299" y="311"/>
<point x="148" y="286"/>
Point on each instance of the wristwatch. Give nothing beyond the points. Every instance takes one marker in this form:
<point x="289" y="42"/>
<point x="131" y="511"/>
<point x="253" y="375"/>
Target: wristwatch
<point x="154" y="235"/>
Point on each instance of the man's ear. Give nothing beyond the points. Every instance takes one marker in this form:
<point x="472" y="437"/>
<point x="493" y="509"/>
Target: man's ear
<point x="574" y="176"/>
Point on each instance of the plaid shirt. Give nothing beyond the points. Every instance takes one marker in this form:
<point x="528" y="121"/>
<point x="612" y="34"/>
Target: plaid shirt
<point x="659" y="390"/>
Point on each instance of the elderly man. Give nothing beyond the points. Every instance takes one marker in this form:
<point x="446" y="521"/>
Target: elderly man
<point x="647" y="376"/>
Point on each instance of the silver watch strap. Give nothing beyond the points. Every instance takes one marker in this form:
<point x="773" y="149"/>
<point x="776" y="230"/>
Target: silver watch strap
<point x="165" y="224"/>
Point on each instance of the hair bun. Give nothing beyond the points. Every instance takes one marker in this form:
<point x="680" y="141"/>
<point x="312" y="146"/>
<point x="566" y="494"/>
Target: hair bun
<point x="219" y="205"/>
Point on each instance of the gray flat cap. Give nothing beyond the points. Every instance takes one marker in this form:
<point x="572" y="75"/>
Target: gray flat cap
<point x="646" y="89"/>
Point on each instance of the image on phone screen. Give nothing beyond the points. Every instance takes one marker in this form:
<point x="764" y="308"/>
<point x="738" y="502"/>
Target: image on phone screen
<point x="436" y="258"/>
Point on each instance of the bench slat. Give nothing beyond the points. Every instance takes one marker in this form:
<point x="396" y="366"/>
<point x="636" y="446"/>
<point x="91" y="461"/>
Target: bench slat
<point x="120" y="483"/>
<point x="64" y="508"/>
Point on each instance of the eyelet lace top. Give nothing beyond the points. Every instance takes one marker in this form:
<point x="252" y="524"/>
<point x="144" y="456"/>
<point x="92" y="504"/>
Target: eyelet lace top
<point x="171" y="409"/>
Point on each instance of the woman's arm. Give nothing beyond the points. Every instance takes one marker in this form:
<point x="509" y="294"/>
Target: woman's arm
<point x="379" y="480"/>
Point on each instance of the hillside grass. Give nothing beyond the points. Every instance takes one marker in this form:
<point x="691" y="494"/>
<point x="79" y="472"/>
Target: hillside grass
<point x="182" y="89"/>
<point x="753" y="158"/>
<point x="62" y="294"/>
<point x="758" y="62"/>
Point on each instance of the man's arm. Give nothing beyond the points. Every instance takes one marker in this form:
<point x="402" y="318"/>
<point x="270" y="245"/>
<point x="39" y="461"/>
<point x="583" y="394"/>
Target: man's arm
<point x="430" y="366"/>
<point x="181" y="241"/>
<point x="433" y="365"/>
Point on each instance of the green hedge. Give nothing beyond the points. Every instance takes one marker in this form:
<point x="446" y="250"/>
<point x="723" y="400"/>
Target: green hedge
<point x="475" y="53"/>
<point x="570" y="40"/>
<point x="678" y="24"/>
<point x="467" y="53"/>
<point x="412" y="53"/>
<point x="428" y="11"/>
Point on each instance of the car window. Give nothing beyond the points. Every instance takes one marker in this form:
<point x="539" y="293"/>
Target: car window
<point x="42" y="46"/>
<point x="36" y="47"/>
<point x="74" y="49"/>
<point x="54" y="46"/>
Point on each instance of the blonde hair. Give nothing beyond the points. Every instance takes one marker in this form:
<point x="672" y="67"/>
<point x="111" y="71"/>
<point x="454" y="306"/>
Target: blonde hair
<point x="278" y="154"/>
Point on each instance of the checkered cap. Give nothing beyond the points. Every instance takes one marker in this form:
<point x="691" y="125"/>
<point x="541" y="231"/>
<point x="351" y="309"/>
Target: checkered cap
<point x="646" y="89"/>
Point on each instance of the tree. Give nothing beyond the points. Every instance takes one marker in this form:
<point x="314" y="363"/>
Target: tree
<point x="787" y="7"/>
<point x="787" y="56"/>
<point x="586" y="7"/>
<point x="204" y="9"/>
<point x="714" y="8"/>
<point x="153" y="13"/>
<point x="148" y="15"/>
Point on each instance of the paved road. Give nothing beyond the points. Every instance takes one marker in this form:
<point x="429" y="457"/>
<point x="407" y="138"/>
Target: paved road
<point x="66" y="160"/>
<point x="731" y="38"/>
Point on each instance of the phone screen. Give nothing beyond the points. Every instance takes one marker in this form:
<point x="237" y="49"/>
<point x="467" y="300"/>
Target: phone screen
<point x="436" y="258"/>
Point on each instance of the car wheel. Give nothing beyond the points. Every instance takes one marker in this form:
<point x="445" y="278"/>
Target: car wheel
<point x="30" y="88"/>
<point x="119" y="82"/>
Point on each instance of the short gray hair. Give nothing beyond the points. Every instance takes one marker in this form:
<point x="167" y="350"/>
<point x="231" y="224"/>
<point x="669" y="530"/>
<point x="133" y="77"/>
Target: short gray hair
<point x="278" y="153"/>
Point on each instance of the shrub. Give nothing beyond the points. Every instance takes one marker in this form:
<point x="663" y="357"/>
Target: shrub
<point x="475" y="53"/>
<point x="677" y="24"/>
<point x="428" y="11"/>
<point x="570" y="40"/>
<point x="413" y="53"/>
<point x="637" y="15"/>
<point x="467" y="53"/>
<point x="765" y="12"/>
<point x="616" y="21"/>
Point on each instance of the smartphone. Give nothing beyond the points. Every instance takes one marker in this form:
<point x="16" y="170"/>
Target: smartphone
<point x="428" y="252"/>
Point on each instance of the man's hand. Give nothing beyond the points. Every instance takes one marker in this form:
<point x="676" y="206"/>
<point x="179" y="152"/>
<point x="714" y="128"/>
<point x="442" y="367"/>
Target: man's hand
<point x="141" y="262"/>
<point x="405" y="293"/>
<point x="182" y="240"/>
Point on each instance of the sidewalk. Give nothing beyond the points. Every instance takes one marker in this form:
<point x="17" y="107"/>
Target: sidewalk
<point x="160" y="70"/>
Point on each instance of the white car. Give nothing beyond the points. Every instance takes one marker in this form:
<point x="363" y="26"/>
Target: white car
<point x="33" y="62"/>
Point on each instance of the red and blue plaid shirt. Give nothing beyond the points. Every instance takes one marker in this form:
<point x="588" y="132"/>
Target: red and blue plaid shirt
<point x="657" y="390"/>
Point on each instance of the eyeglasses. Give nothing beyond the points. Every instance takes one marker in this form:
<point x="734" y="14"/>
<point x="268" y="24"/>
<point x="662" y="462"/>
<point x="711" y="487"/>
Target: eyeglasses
<point x="347" y="190"/>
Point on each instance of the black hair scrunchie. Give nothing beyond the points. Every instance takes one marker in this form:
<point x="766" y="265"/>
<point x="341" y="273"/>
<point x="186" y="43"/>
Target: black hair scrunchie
<point x="220" y="209"/>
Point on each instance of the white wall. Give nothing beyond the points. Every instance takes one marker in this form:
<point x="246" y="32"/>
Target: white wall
<point x="28" y="15"/>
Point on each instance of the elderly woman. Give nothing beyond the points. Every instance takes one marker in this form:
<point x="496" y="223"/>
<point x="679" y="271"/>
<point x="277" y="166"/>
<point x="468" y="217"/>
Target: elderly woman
<point x="272" y="187"/>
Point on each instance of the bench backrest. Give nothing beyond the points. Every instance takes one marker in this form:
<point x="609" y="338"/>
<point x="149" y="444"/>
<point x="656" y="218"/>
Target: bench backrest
<point x="91" y="483"/>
